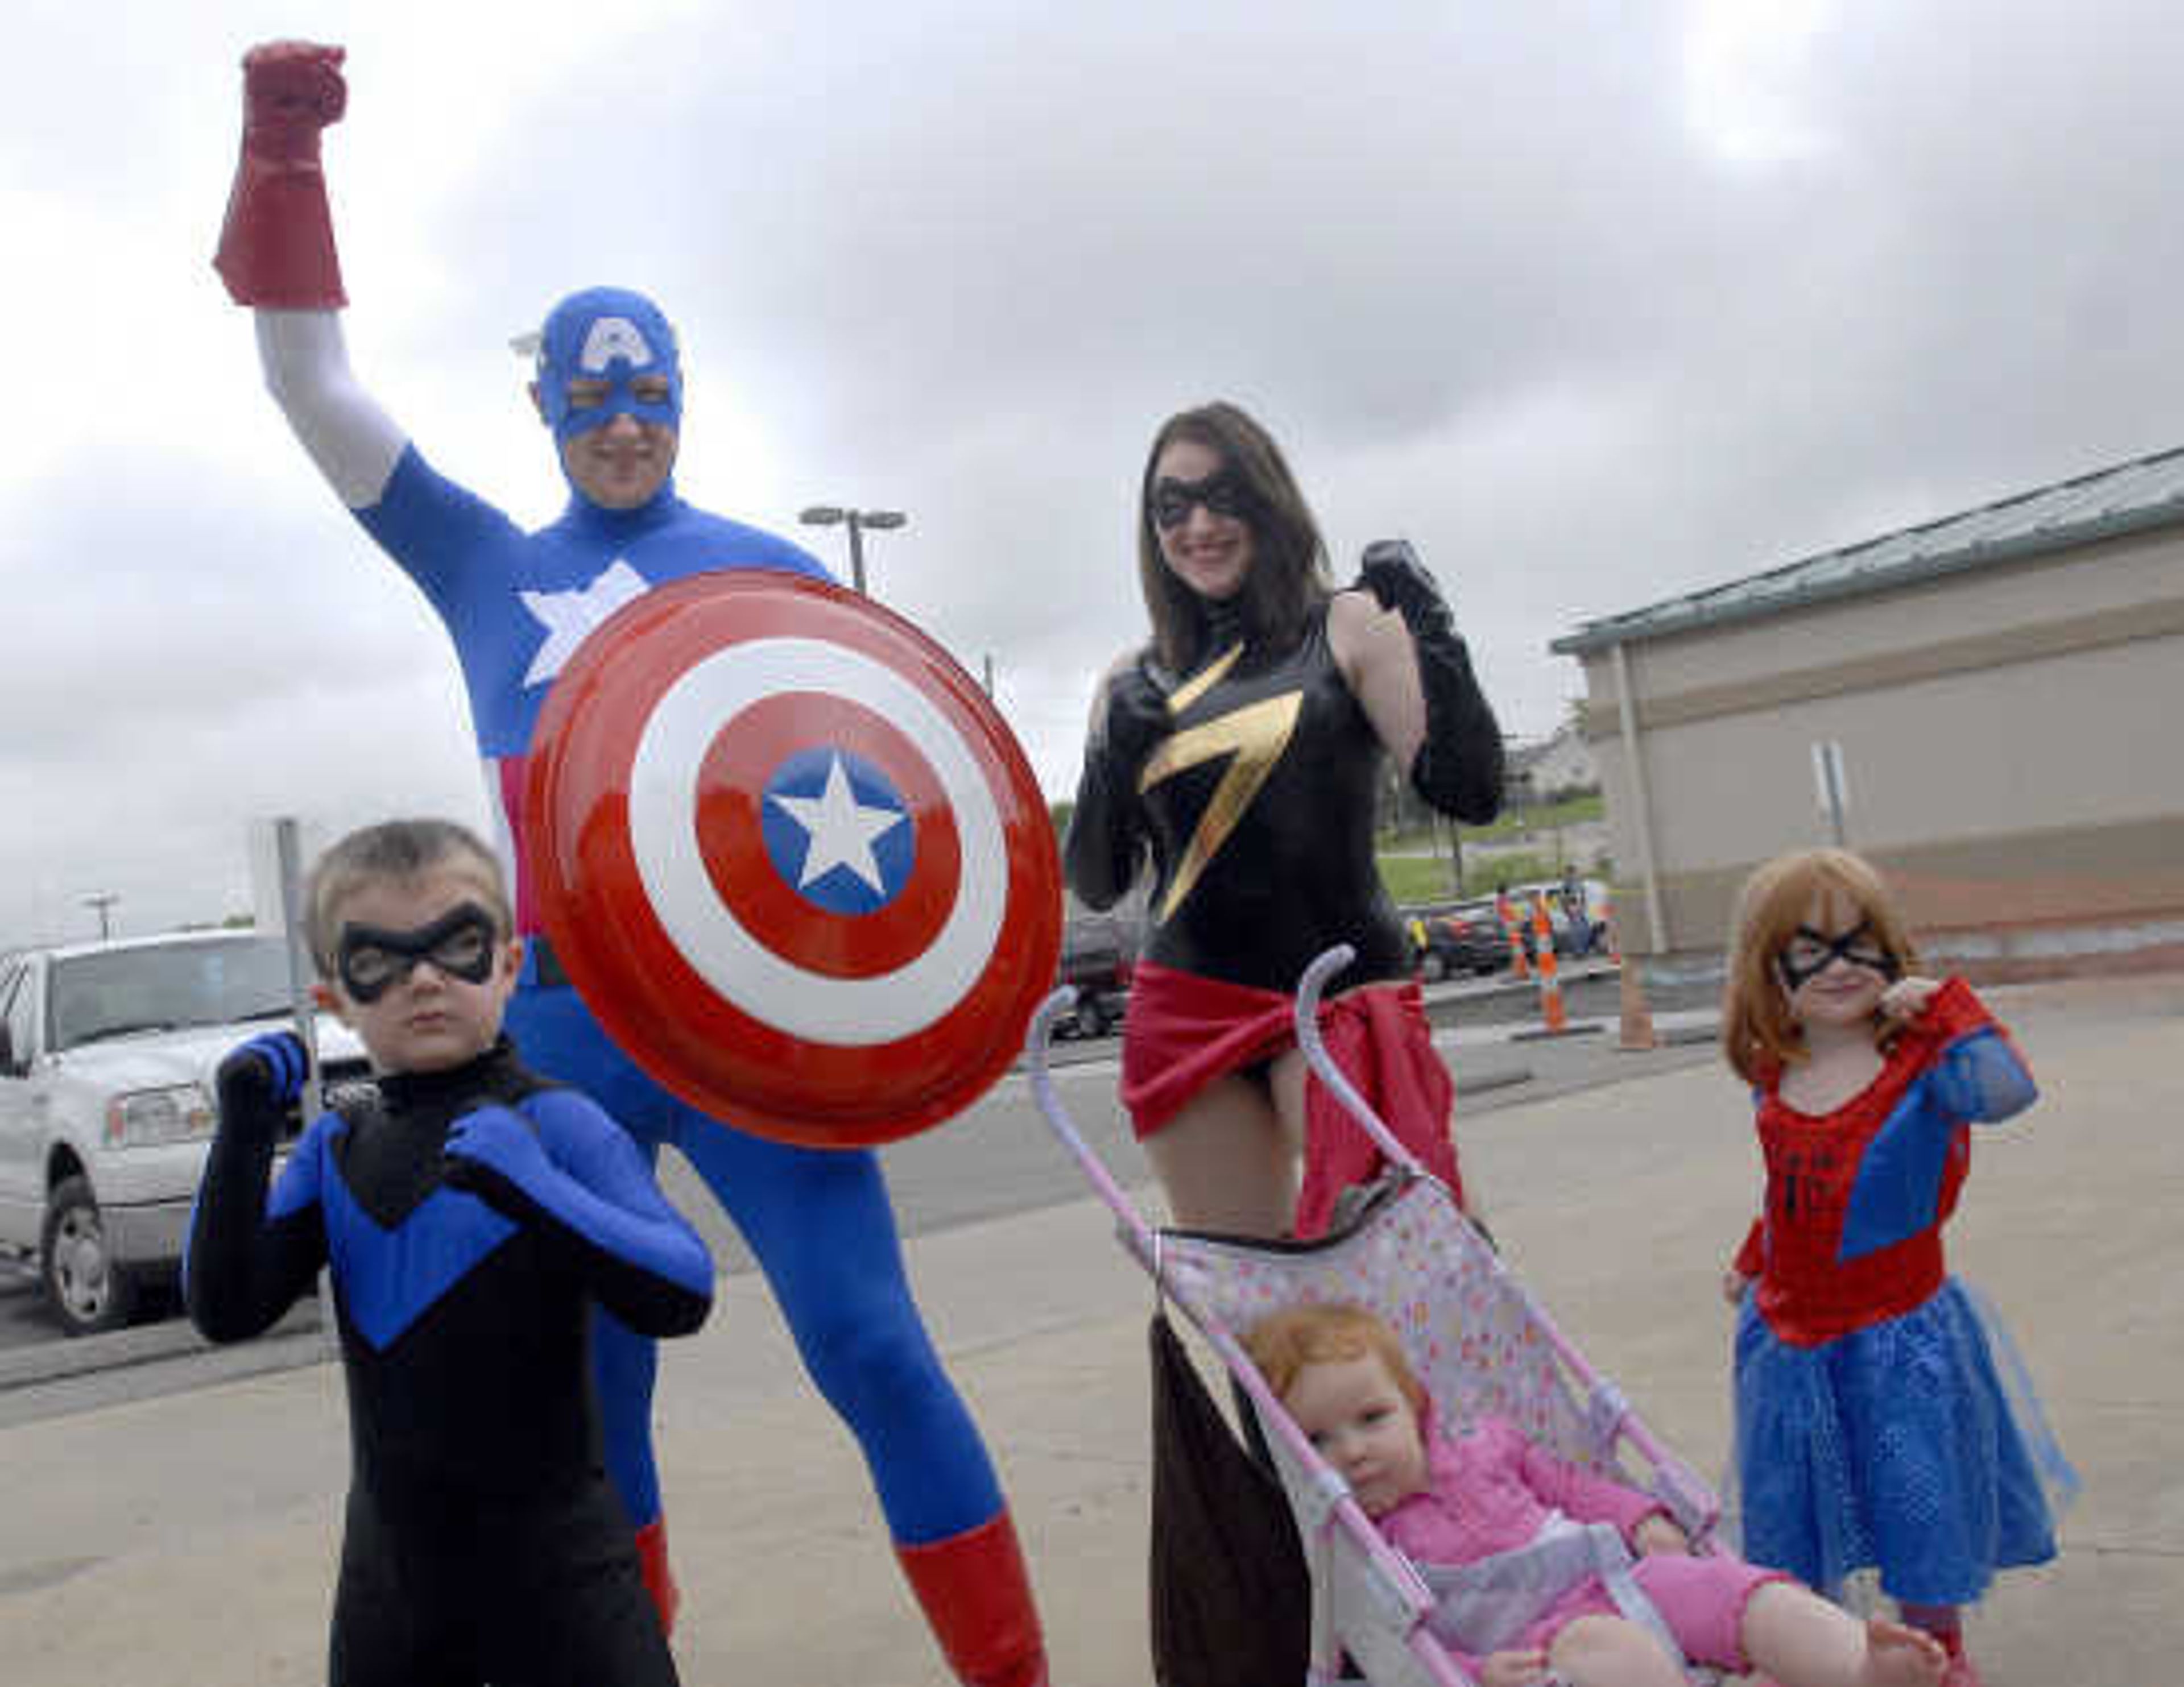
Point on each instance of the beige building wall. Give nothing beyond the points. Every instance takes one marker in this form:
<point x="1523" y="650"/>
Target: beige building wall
<point x="2013" y="737"/>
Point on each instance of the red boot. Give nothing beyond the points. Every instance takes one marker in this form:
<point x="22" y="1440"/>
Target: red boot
<point x="977" y="1597"/>
<point x="658" y="1579"/>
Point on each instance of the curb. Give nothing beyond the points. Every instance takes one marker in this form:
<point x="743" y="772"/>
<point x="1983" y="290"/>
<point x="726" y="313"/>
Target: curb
<point x="66" y="1356"/>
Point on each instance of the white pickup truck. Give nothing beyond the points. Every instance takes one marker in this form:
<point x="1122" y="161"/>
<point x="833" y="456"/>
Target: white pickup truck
<point x="107" y="1056"/>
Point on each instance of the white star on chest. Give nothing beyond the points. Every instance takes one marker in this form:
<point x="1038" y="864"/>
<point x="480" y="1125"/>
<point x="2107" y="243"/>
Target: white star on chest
<point x="572" y="617"/>
<point x="839" y="829"/>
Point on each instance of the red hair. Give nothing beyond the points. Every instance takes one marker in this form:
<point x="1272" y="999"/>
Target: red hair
<point x="1282" y="1344"/>
<point x="1758" y="1036"/>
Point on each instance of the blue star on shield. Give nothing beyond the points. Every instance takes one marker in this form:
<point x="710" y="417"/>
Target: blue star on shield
<point x="838" y="830"/>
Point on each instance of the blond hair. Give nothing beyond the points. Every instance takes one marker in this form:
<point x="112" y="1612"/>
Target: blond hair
<point x="1282" y="1344"/>
<point x="1758" y="1034"/>
<point x="394" y="849"/>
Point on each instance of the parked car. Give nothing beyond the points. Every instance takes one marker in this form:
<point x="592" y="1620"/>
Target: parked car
<point x="108" y="1052"/>
<point x="1466" y="939"/>
<point x="1097" y="953"/>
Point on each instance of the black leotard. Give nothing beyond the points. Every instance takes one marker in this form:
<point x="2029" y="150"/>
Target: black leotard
<point x="1258" y="803"/>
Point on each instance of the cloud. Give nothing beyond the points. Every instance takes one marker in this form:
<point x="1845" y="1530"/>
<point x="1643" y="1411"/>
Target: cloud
<point x="1595" y="302"/>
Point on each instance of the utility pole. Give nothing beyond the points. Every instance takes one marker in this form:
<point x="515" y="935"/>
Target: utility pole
<point x="102" y="900"/>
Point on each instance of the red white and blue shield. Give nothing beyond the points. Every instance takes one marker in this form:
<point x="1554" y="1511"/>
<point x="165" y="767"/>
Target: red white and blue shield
<point x="792" y="858"/>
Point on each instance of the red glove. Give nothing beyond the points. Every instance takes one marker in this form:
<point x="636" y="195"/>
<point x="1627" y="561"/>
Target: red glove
<point x="276" y="248"/>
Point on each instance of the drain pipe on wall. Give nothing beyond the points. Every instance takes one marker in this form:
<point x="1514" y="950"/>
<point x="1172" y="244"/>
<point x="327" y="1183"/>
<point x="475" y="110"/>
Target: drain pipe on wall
<point x="1641" y="803"/>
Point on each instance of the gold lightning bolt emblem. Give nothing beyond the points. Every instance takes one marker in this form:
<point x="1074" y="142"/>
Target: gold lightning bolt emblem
<point x="1256" y="735"/>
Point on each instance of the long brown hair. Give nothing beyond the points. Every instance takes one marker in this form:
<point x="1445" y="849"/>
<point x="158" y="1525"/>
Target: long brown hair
<point x="1289" y="575"/>
<point x="1758" y="1034"/>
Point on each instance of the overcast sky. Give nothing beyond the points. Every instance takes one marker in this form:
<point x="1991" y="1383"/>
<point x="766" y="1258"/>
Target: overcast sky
<point x="1595" y="302"/>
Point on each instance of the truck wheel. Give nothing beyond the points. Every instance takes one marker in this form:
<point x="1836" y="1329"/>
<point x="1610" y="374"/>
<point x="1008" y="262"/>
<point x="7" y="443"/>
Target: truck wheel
<point x="88" y="1291"/>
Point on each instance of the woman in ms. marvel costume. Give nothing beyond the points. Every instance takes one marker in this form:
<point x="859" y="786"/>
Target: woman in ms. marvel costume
<point x="819" y="1221"/>
<point x="1244" y="747"/>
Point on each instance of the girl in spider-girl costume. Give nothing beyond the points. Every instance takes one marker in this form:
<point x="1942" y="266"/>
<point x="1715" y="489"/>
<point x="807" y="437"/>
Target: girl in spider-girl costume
<point x="1873" y="1428"/>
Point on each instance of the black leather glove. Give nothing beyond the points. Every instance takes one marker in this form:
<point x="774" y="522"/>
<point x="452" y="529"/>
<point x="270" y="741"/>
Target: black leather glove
<point x="1107" y="830"/>
<point x="1458" y="766"/>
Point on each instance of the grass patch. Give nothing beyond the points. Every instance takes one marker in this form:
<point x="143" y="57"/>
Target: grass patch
<point x="1530" y="819"/>
<point x="1427" y="878"/>
<point x="1416" y="878"/>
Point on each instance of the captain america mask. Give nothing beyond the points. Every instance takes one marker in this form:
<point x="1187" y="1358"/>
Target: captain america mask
<point x="604" y="352"/>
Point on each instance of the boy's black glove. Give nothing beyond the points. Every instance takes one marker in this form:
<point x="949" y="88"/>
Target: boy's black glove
<point x="1106" y="829"/>
<point x="258" y="1081"/>
<point x="1458" y="766"/>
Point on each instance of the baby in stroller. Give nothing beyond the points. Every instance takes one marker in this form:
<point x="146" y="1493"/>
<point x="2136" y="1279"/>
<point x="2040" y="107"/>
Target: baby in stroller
<point x="1530" y="1587"/>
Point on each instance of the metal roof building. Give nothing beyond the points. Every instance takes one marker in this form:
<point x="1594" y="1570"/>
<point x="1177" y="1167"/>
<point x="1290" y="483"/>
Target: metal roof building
<point x="1989" y="705"/>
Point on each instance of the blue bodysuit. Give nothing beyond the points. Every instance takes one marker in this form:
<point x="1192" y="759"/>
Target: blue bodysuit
<point x="517" y="604"/>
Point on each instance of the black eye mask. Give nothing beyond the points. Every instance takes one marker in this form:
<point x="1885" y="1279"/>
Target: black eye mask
<point x="1817" y="952"/>
<point x="1223" y="493"/>
<point x="462" y="943"/>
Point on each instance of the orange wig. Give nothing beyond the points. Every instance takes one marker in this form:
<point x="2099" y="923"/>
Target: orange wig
<point x="1758" y="1034"/>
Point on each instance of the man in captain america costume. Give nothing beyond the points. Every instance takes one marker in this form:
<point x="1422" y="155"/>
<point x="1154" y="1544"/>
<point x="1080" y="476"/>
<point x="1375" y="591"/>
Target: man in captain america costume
<point x="609" y="387"/>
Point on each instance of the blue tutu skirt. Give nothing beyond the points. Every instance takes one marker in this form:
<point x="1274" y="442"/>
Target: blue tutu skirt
<point x="1904" y="1448"/>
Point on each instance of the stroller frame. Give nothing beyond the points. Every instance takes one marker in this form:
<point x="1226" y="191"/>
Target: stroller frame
<point x="1369" y="1603"/>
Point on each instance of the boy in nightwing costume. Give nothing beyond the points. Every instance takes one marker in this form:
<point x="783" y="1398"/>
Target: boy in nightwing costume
<point x="517" y="604"/>
<point x="472" y="1215"/>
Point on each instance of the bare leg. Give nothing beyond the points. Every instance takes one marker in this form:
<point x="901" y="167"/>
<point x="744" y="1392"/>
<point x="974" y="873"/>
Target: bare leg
<point x="1792" y="1634"/>
<point x="1613" y="1651"/>
<point x="1286" y="1079"/>
<point x="1227" y="1163"/>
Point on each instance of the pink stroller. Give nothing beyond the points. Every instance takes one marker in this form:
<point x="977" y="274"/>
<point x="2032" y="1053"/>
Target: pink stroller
<point x="1477" y="1339"/>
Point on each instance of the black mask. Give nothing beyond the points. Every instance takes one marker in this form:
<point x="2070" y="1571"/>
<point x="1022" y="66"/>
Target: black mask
<point x="1223" y="493"/>
<point x="1809" y="953"/>
<point x="462" y="943"/>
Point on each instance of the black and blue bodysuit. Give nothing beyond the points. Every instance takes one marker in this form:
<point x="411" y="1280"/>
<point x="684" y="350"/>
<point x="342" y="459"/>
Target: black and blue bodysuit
<point x="471" y="1219"/>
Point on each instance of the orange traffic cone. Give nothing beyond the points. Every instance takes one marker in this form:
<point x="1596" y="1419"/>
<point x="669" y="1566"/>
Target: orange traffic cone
<point x="1502" y="911"/>
<point x="1637" y="1018"/>
<point x="1551" y="1012"/>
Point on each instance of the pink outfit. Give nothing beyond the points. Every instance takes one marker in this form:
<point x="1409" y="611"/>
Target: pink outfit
<point x="1492" y="1489"/>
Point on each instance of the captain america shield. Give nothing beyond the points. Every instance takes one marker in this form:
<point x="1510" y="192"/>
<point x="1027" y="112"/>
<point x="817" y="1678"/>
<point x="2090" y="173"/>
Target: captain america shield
<point x="792" y="859"/>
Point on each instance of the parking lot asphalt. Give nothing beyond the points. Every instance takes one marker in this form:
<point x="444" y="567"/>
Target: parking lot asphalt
<point x="191" y="1537"/>
<point x="936" y="1184"/>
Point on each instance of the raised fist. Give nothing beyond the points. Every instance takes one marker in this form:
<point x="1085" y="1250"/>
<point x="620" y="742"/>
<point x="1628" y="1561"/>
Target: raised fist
<point x="258" y="1080"/>
<point x="1135" y="719"/>
<point x="291" y="89"/>
<point x="1391" y="571"/>
<point x="276" y="243"/>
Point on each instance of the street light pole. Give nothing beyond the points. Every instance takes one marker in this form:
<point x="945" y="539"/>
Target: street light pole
<point x="857" y="520"/>
<point x="102" y="900"/>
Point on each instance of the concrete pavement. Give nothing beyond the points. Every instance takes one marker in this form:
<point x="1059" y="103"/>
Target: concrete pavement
<point x="192" y="1538"/>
